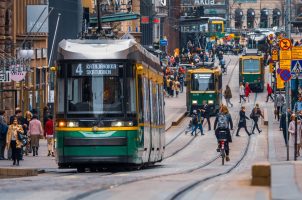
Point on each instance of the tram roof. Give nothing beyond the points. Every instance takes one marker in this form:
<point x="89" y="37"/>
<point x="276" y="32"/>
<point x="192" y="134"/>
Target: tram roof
<point x="126" y="49"/>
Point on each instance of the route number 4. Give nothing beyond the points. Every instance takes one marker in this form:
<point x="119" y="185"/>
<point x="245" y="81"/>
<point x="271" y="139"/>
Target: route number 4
<point x="79" y="70"/>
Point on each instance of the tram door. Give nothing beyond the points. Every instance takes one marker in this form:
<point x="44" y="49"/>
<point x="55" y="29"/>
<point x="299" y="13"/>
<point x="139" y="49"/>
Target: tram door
<point x="147" y="120"/>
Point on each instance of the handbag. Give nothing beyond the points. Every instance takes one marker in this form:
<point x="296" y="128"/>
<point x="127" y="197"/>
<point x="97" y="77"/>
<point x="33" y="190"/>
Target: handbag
<point x="22" y="138"/>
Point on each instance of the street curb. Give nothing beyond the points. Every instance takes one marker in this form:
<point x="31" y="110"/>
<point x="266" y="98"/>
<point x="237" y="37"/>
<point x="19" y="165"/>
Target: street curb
<point x="17" y="172"/>
<point x="175" y="123"/>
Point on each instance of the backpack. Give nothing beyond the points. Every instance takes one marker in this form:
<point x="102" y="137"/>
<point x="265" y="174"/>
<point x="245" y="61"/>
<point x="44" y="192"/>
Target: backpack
<point x="222" y="121"/>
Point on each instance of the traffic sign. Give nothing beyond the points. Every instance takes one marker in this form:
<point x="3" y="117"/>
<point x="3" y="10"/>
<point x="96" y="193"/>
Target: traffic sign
<point x="285" y="75"/>
<point x="296" y="66"/>
<point x="285" y="55"/>
<point x="163" y="42"/>
<point x="275" y="55"/>
<point x="297" y="53"/>
<point x="285" y="64"/>
<point x="285" y="44"/>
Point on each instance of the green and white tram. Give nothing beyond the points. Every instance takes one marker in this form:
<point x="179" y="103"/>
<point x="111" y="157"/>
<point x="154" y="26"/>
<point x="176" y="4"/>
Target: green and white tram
<point x="109" y="104"/>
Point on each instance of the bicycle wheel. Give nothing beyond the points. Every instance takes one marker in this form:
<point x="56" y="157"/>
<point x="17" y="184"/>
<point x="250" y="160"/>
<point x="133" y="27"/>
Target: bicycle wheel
<point x="222" y="156"/>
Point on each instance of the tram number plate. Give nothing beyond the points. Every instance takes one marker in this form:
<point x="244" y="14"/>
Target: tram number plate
<point x="95" y="69"/>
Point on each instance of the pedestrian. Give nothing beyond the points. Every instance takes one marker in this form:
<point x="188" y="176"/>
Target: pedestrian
<point x="168" y="86"/>
<point x="181" y="81"/>
<point x="241" y="92"/>
<point x="12" y="140"/>
<point x="28" y="117"/>
<point x="280" y="100"/>
<point x="206" y="113"/>
<point x="292" y="133"/>
<point x="269" y="92"/>
<point x="18" y="114"/>
<point x="255" y="115"/>
<point x="228" y="95"/>
<point x="46" y="113"/>
<point x="298" y="104"/>
<point x="177" y="87"/>
<point x="35" y="131"/>
<point x="3" y="133"/>
<point x="247" y="91"/>
<point x="242" y="121"/>
<point x="172" y="86"/>
<point x="283" y="123"/>
<point x="194" y="123"/>
<point x="200" y="119"/>
<point x="49" y="130"/>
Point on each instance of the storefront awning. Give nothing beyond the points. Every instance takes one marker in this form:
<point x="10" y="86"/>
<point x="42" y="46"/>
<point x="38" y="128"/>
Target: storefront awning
<point x="116" y="17"/>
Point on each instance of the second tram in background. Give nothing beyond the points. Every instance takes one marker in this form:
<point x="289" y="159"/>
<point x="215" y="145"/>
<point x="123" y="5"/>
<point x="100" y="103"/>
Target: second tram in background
<point x="110" y="105"/>
<point x="204" y="84"/>
<point x="251" y="69"/>
<point x="196" y="30"/>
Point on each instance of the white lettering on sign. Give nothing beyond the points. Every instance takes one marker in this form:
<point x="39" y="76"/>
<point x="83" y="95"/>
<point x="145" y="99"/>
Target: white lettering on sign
<point x="204" y="2"/>
<point x="101" y="66"/>
<point x="98" y="72"/>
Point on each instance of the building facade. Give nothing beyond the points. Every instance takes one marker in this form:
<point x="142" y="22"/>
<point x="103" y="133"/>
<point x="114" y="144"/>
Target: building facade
<point x="23" y="77"/>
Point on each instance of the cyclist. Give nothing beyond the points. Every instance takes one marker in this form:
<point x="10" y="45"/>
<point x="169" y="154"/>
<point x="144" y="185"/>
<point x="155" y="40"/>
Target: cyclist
<point x="223" y="122"/>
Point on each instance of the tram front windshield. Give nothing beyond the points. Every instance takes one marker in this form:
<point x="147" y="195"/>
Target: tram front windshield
<point x="251" y="66"/>
<point x="203" y="82"/>
<point x="98" y="89"/>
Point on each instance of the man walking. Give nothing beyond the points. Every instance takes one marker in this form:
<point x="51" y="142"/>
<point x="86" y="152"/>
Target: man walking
<point x="255" y="115"/>
<point x="279" y="103"/>
<point x="206" y="113"/>
<point x="3" y="133"/>
<point x="269" y="92"/>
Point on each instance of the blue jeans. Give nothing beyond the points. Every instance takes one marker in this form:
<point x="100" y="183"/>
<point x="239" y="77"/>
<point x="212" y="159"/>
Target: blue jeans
<point x="194" y="128"/>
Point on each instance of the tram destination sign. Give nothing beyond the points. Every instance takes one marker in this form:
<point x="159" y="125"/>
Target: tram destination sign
<point x="95" y="69"/>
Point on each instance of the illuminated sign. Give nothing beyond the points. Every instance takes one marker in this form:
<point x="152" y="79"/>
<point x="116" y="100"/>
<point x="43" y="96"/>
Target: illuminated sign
<point x="95" y="69"/>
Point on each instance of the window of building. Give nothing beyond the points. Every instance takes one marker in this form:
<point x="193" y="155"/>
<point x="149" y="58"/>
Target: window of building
<point x="276" y="17"/>
<point x="264" y="18"/>
<point x="238" y="18"/>
<point x="250" y="20"/>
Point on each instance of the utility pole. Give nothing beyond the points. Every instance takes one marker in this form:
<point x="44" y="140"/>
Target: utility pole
<point x="288" y="34"/>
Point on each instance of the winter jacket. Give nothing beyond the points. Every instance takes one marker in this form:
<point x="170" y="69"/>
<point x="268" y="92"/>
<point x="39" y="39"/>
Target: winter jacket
<point x="35" y="127"/>
<point x="49" y="129"/>
<point x="269" y="89"/>
<point x="12" y="129"/>
<point x="280" y="100"/>
<point x="247" y="90"/>
<point x="230" y="121"/>
<point x="243" y="118"/>
<point x="227" y="93"/>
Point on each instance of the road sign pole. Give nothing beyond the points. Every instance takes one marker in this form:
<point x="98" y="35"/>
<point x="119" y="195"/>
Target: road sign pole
<point x="286" y="117"/>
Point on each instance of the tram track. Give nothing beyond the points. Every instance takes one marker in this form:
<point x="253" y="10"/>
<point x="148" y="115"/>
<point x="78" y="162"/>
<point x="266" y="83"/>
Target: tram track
<point x="188" y="188"/>
<point x="187" y="171"/>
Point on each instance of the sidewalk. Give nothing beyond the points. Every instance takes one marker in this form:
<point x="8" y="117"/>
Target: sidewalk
<point x="175" y="109"/>
<point x="286" y="176"/>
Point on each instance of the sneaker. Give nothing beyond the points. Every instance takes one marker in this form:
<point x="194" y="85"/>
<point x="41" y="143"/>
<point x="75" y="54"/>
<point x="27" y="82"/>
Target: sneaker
<point x="227" y="158"/>
<point x="237" y="135"/>
<point x="260" y="131"/>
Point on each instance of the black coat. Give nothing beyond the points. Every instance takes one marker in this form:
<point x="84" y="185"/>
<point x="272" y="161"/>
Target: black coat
<point x="243" y="118"/>
<point x="206" y="111"/>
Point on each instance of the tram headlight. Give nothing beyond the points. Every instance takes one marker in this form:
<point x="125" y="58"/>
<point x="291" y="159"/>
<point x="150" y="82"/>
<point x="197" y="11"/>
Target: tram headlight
<point x="117" y="123"/>
<point x="194" y="102"/>
<point x="62" y="123"/>
<point x="72" y="124"/>
<point x="211" y="102"/>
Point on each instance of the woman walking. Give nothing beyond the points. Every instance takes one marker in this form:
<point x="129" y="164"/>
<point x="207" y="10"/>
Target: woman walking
<point x="228" y="95"/>
<point x="35" y="131"/>
<point x="292" y="134"/>
<point x="49" y="130"/>
<point x="28" y="117"/>
<point x="13" y="142"/>
<point x="242" y="121"/>
<point x="269" y="92"/>
<point x="241" y="92"/>
<point x="247" y="91"/>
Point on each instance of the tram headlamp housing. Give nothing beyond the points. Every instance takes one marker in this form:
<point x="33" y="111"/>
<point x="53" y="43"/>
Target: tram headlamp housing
<point x="194" y="102"/>
<point x="211" y="102"/>
<point x="72" y="124"/>
<point x="121" y="123"/>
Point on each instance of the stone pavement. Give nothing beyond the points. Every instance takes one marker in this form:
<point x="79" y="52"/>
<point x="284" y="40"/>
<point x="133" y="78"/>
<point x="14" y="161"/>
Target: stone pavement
<point x="175" y="109"/>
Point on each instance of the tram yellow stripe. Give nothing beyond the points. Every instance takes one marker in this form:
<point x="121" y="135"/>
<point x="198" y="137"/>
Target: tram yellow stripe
<point x="98" y="129"/>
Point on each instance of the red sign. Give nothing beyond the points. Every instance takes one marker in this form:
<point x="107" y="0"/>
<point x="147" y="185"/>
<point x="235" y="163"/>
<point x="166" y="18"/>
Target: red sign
<point x="285" y="44"/>
<point x="145" y="20"/>
<point x="156" y="20"/>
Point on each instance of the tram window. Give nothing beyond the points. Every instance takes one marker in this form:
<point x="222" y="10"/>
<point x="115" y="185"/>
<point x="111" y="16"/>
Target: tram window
<point x="203" y="82"/>
<point x="216" y="27"/>
<point x="61" y="94"/>
<point x="140" y="99"/>
<point x="95" y="94"/>
<point x="251" y="66"/>
<point x="131" y="90"/>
